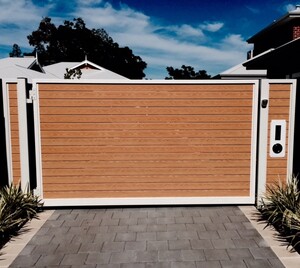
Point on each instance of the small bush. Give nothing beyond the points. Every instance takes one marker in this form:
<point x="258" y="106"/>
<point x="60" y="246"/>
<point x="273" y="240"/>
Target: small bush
<point x="281" y="208"/>
<point x="16" y="208"/>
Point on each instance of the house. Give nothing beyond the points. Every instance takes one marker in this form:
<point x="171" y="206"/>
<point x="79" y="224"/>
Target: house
<point x="89" y="70"/>
<point x="281" y="43"/>
<point x="275" y="55"/>
<point x="275" y="51"/>
<point x="29" y="67"/>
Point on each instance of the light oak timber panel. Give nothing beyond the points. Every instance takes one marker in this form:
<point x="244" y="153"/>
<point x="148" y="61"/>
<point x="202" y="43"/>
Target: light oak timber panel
<point x="14" y="131"/>
<point x="277" y="167"/>
<point x="145" y="140"/>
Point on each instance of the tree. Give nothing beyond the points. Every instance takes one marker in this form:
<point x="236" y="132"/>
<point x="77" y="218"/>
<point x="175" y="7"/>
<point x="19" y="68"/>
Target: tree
<point x="72" y="73"/>
<point x="72" y="41"/>
<point x="186" y="72"/>
<point x="16" y="52"/>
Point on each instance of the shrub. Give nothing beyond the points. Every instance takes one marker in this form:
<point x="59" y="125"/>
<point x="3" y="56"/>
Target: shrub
<point x="16" y="208"/>
<point x="280" y="206"/>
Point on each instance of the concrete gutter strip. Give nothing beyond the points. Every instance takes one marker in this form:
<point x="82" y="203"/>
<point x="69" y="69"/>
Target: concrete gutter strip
<point x="289" y="259"/>
<point x="12" y="249"/>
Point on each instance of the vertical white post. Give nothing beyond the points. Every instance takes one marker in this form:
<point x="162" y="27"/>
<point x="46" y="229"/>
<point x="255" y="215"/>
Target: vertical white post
<point x="37" y="133"/>
<point x="291" y="132"/>
<point x="23" y="134"/>
<point x="263" y="139"/>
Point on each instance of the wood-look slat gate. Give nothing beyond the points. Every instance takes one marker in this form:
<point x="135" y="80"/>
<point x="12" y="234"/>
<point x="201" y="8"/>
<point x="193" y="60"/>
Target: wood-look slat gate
<point x="147" y="142"/>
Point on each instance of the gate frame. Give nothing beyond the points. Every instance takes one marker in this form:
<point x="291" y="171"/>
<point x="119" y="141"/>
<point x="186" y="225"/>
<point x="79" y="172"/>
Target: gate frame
<point x="22" y="122"/>
<point x="251" y="199"/>
<point x="263" y="133"/>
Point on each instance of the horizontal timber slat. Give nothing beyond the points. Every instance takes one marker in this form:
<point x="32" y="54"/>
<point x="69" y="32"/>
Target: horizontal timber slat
<point x="146" y="95"/>
<point x="143" y="141"/>
<point x="146" y="149"/>
<point x="146" y="178"/>
<point x="143" y="126"/>
<point x="145" y="119"/>
<point x="141" y="156"/>
<point x="145" y="103"/>
<point x="151" y="171"/>
<point x="156" y="193"/>
<point x="147" y="111"/>
<point x="147" y="134"/>
<point x="148" y="164"/>
<point x="124" y="186"/>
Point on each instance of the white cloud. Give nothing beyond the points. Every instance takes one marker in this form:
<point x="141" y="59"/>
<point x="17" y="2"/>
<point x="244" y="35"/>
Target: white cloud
<point x="253" y="10"/>
<point x="289" y="7"/>
<point x="158" y="44"/>
<point x="107" y="17"/>
<point x="188" y="30"/>
<point x="153" y="42"/>
<point x="21" y="12"/>
<point x="212" y="26"/>
<point x="88" y="2"/>
<point x="234" y="41"/>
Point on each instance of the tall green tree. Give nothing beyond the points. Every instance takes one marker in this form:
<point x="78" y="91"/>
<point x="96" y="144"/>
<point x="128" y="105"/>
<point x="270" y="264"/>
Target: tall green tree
<point x="186" y="72"/>
<point x="72" y="41"/>
<point x="16" y="51"/>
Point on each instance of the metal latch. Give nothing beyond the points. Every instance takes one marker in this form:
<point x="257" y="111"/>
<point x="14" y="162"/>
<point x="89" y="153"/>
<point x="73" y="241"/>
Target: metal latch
<point x="32" y="96"/>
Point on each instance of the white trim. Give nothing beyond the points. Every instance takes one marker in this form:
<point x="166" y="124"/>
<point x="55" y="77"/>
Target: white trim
<point x="151" y="201"/>
<point x="86" y="62"/>
<point x="23" y="134"/>
<point x="292" y="110"/>
<point x="221" y="200"/>
<point x="291" y="132"/>
<point x="142" y="82"/>
<point x="281" y="141"/>
<point x="263" y="140"/>
<point x="38" y="147"/>
<point x="254" y="130"/>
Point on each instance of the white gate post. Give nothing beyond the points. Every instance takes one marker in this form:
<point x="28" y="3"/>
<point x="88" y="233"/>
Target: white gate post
<point x="23" y="134"/>
<point x="263" y="139"/>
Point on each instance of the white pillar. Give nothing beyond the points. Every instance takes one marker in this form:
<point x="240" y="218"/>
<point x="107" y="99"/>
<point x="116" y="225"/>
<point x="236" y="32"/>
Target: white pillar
<point x="23" y="134"/>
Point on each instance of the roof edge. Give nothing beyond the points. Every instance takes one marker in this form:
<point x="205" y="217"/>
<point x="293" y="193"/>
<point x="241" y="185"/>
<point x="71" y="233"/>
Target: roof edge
<point x="285" y="18"/>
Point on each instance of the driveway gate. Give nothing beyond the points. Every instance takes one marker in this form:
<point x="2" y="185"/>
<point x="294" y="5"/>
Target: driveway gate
<point x="158" y="142"/>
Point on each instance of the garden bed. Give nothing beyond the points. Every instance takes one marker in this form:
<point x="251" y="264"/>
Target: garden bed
<point x="280" y="207"/>
<point x="16" y="208"/>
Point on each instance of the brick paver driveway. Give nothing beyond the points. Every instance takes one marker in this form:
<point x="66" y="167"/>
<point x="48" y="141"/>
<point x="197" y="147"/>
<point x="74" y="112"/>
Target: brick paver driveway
<point x="148" y="237"/>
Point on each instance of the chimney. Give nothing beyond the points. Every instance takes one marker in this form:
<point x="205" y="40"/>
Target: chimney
<point x="296" y="28"/>
<point x="296" y="32"/>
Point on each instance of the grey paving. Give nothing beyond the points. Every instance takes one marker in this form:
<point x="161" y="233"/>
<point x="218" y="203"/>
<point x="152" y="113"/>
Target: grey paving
<point x="161" y="237"/>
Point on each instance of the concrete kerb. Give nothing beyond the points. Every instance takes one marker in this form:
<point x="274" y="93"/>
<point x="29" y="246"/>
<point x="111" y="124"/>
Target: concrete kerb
<point x="289" y="259"/>
<point x="13" y="248"/>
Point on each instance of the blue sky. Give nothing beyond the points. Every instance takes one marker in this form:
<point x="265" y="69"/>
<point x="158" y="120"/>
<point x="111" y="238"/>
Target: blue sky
<point x="205" y="34"/>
